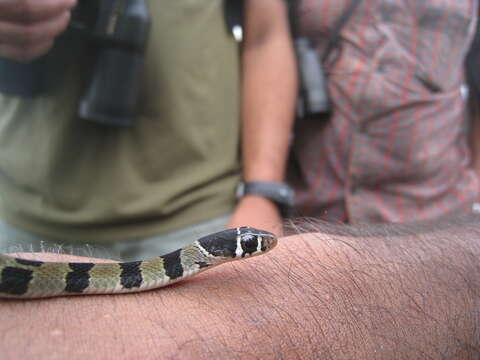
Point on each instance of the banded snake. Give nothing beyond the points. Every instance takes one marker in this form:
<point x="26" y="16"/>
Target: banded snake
<point x="20" y="278"/>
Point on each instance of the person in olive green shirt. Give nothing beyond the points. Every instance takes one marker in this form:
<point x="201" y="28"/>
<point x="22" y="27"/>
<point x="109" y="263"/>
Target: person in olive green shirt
<point x="170" y="178"/>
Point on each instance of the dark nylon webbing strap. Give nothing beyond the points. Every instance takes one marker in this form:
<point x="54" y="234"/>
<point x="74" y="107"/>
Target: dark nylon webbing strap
<point x="233" y="10"/>
<point x="334" y="40"/>
<point x="293" y="19"/>
<point x="471" y="66"/>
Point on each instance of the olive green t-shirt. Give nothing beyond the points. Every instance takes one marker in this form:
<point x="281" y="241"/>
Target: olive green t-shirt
<point x="68" y="178"/>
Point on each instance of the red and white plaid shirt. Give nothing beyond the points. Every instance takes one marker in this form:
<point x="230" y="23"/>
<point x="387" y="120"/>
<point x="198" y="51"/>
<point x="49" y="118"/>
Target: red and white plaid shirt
<point x="395" y="148"/>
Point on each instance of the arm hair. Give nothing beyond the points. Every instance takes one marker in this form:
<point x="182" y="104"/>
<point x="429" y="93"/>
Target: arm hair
<point x="401" y="290"/>
<point x="405" y="291"/>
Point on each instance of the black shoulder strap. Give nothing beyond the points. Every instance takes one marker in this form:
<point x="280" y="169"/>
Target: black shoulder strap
<point x="234" y="16"/>
<point x="293" y="18"/>
<point x="471" y="66"/>
<point x="334" y="40"/>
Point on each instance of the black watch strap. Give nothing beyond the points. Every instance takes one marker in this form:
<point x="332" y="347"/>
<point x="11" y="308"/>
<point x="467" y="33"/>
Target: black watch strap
<point x="280" y="193"/>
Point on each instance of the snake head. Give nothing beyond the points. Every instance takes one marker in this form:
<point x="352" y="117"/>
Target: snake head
<point x="238" y="243"/>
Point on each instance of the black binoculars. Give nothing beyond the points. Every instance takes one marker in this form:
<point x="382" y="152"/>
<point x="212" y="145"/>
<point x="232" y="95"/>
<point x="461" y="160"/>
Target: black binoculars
<point x="118" y="32"/>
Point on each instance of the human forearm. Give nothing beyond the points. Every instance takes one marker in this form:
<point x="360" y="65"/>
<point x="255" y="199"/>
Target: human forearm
<point x="268" y="91"/>
<point x="268" y="95"/>
<point x="396" y="291"/>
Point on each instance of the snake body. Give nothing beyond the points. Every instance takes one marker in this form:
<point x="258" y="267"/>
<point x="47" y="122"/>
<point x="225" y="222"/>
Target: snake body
<point x="20" y="278"/>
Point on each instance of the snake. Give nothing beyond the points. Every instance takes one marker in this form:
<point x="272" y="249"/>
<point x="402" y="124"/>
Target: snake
<point x="29" y="279"/>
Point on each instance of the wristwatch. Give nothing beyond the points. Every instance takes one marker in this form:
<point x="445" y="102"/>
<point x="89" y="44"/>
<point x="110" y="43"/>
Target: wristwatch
<point x="280" y="193"/>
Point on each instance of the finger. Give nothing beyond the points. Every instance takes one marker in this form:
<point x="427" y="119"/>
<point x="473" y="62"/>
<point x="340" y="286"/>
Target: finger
<point x="29" y="35"/>
<point x="25" y="54"/>
<point x="31" y="11"/>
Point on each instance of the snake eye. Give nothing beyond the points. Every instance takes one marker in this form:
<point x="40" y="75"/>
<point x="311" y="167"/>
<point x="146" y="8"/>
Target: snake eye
<point x="249" y="244"/>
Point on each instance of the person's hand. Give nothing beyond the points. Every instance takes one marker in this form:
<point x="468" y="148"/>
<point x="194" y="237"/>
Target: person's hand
<point x="28" y="28"/>
<point x="258" y="212"/>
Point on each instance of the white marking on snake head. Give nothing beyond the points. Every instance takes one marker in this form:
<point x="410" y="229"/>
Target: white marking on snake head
<point x="239" y="249"/>
<point x="259" y="244"/>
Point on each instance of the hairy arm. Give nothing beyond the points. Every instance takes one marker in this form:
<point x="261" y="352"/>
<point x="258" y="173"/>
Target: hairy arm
<point x="402" y="292"/>
<point x="268" y="96"/>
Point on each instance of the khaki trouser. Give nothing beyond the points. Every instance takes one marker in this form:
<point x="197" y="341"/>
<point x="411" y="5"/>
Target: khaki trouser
<point x="13" y="240"/>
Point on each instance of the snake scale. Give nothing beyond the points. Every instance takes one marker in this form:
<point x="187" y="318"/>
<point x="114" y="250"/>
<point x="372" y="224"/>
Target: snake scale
<point x="26" y="279"/>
